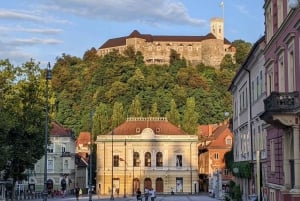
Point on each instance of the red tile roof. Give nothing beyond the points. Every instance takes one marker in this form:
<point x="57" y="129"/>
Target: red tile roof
<point x="58" y="130"/>
<point x="219" y="136"/>
<point x="160" y="126"/>
<point x="84" y="138"/>
<point x="121" y="41"/>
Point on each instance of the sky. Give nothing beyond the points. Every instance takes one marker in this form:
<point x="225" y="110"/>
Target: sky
<point x="43" y="30"/>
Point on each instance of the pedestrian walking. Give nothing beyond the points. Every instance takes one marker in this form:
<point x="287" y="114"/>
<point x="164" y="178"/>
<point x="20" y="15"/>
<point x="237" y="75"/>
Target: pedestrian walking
<point x="138" y="195"/>
<point x="77" y="192"/>
<point x="152" y="194"/>
<point x="146" y="194"/>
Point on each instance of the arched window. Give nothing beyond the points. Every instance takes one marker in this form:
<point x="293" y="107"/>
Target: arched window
<point x="159" y="159"/>
<point x="136" y="159"/>
<point x="147" y="159"/>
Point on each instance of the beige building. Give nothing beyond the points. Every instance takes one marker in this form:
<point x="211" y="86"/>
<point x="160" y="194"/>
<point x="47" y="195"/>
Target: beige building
<point x="209" y="49"/>
<point x="146" y="152"/>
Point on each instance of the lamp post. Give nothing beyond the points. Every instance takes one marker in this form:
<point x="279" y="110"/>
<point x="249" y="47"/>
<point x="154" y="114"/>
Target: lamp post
<point x="125" y="172"/>
<point x="48" y="77"/>
<point x="133" y="164"/>
<point x="112" y="166"/>
<point x="90" y="159"/>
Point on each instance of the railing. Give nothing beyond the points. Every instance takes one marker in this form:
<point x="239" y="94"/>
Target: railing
<point x="282" y="102"/>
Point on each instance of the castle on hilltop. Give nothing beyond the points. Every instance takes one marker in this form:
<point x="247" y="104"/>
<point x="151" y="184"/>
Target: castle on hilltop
<point x="209" y="49"/>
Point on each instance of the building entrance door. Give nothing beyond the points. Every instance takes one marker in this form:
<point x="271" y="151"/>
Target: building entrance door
<point x="159" y="185"/>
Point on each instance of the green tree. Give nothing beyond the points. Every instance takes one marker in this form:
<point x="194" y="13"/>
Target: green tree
<point x="190" y="118"/>
<point x="154" y="111"/>
<point x="173" y="115"/>
<point x="23" y="113"/>
<point x="228" y="64"/>
<point x="101" y="119"/>
<point x="135" y="109"/>
<point x="137" y="81"/>
<point x="118" y="115"/>
<point x="242" y="50"/>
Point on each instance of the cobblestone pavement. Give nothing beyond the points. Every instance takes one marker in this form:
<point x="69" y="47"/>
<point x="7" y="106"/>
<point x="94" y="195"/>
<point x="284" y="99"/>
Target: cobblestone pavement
<point x="201" y="197"/>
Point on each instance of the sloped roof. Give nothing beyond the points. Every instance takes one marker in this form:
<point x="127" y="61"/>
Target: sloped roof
<point x="121" y="41"/>
<point x="207" y="130"/>
<point x="58" y="130"/>
<point x="83" y="138"/>
<point x="160" y="126"/>
<point x="81" y="161"/>
<point x="219" y="136"/>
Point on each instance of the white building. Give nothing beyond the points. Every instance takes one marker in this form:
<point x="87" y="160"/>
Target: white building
<point x="60" y="161"/>
<point x="248" y="90"/>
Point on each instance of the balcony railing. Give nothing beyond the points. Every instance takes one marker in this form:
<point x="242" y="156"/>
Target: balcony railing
<point x="279" y="102"/>
<point x="66" y="154"/>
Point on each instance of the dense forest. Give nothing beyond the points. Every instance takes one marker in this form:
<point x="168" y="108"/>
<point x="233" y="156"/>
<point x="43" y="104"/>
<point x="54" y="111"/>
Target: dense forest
<point x="108" y="89"/>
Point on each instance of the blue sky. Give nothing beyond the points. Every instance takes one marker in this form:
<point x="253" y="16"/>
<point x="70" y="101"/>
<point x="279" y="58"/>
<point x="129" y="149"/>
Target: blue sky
<point x="45" y="29"/>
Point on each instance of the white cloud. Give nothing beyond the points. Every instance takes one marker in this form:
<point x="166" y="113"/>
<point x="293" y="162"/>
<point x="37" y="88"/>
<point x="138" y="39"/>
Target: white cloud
<point x="164" y="11"/>
<point x="34" y="41"/>
<point x="242" y="9"/>
<point x="13" y="53"/>
<point x="18" y="15"/>
<point x="48" y="31"/>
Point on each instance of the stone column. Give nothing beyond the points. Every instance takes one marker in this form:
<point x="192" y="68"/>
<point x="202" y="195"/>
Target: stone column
<point x="286" y="158"/>
<point x="296" y="156"/>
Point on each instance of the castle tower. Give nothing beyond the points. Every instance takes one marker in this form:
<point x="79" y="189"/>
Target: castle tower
<point x="217" y="27"/>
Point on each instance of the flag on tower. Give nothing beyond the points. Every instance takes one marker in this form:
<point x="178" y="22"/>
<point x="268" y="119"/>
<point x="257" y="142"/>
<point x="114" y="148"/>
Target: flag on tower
<point x="222" y="4"/>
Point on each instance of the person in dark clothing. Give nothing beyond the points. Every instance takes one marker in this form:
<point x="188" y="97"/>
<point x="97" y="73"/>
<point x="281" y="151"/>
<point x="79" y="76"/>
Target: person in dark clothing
<point x="77" y="190"/>
<point x="138" y="194"/>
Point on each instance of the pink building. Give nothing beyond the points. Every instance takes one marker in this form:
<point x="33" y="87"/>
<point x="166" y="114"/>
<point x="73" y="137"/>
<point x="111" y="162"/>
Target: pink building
<point x="282" y="108"/>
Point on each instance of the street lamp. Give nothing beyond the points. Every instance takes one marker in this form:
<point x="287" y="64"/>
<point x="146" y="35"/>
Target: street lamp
<point x="48" y="77"/>
<point x="112" y="165"/>
<point x="125" y="171"/>
<point x="91" y="153"/>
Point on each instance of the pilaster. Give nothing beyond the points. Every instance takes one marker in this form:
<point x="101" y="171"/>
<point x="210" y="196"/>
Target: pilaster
<point x="296" y="156"/>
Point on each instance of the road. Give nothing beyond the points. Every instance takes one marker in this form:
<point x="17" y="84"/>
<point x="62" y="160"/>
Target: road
<point x="202" y="197"/>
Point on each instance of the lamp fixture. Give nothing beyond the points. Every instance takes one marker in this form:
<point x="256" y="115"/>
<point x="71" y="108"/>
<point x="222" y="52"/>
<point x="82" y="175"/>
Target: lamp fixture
<point x="294" y="4"/>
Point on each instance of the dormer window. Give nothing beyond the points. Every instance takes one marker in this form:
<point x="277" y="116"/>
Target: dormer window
<point x="137" y="130"/>
<point x="228" y="141"/>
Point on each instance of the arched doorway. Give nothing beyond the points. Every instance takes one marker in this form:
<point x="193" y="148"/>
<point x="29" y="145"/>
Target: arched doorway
<point x="136" y="185"/>
<point x="159" y="185"/>
<point x="50" y="186"/>
<point x="147" y="183"/>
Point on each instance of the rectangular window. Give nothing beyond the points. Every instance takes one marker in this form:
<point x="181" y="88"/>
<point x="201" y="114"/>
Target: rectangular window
<point x="291" y="69"/>
<point x="279" y="12"/>
<point x="63" y="148"/>
<point x="116" y="160"/>
<point x="246" y="98"/>
<point x="50" y="148"/>
<point x="281" y="75"/>
<point x="243" y="100"/>
<point x="50" y="165"/>
<point x="270" y="82"/>
<point x="66" y="165"/>
<point x="178" y="160"/>
<point x="252" y="91"/>
<point x="228" y="141"/>
<point x="261" y="82"/>
<point x="257" y="87"/>
<point x="226" y="172"/>
<point x="240" y="103"/>
<point x="216" y="155"/>
<point x="272" y="154"/>
<point x="272" y="195"/>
